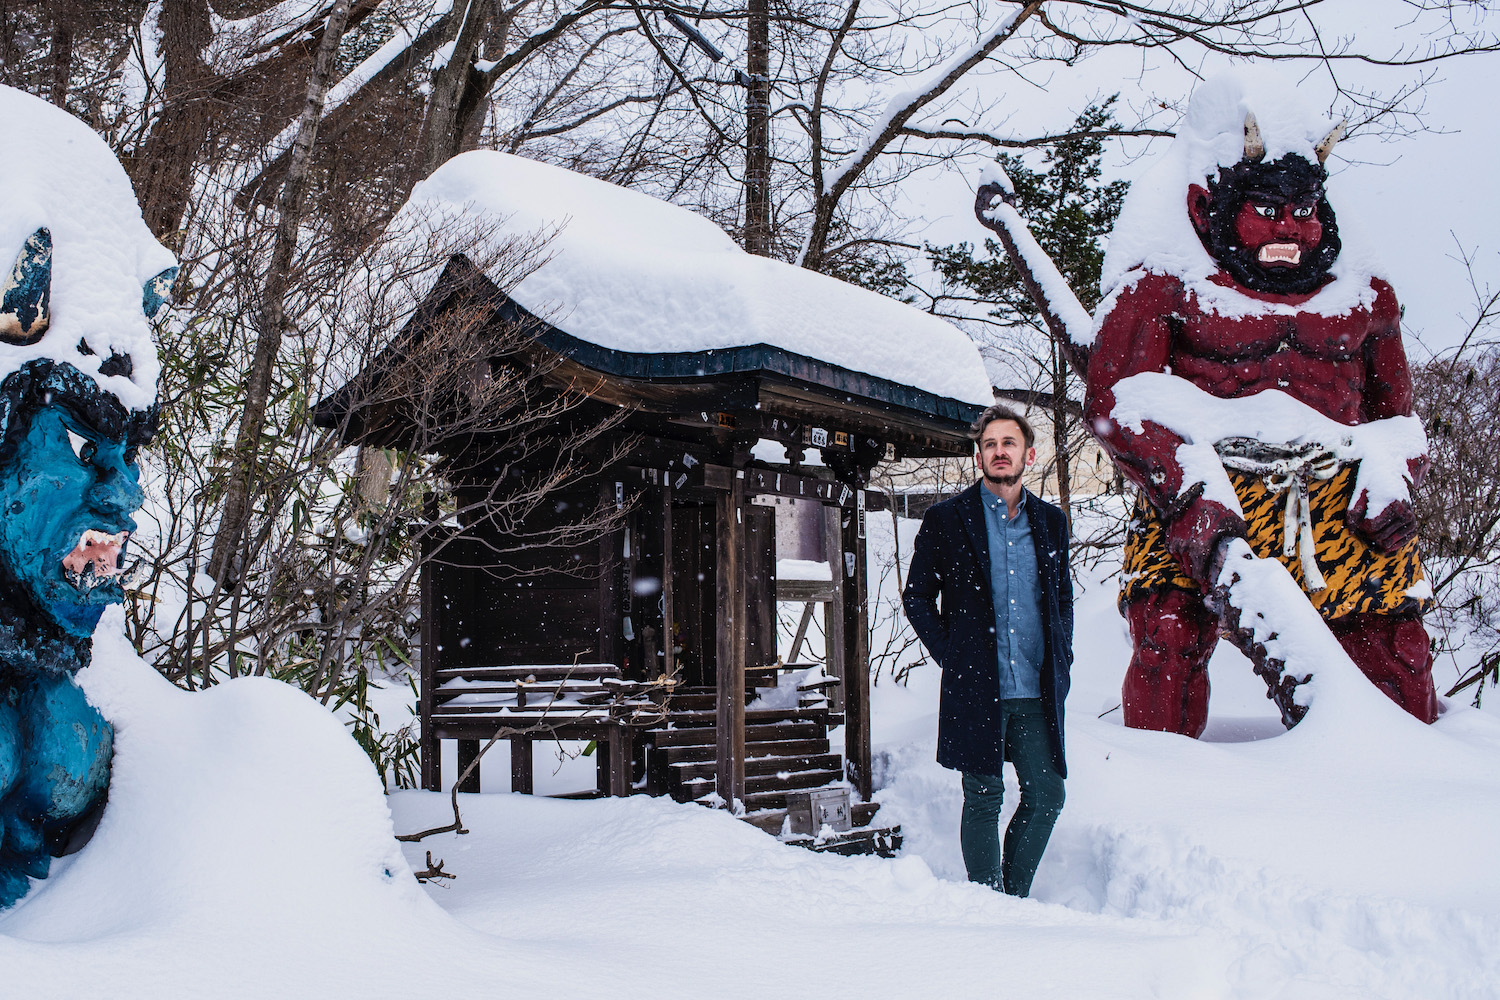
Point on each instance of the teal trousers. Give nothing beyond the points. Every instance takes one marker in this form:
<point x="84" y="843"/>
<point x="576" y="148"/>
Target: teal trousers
<point x="1030" y="752"/>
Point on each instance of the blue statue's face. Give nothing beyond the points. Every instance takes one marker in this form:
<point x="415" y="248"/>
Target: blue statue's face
<point x="65" y="505"/>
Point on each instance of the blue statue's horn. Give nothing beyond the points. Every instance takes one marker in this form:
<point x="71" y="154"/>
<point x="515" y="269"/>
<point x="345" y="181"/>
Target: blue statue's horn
<point x="27" y="291"/>
<point x="157" y="292"/>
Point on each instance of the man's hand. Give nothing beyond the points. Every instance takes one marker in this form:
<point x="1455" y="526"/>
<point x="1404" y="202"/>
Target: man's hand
<point x="1387" y="531"/>
<point x="1197" y="534"/>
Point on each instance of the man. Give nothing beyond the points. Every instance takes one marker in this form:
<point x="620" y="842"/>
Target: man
<point x="991" y="597"/>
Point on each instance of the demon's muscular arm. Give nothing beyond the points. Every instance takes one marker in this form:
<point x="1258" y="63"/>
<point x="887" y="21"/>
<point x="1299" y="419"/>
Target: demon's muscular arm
<point x="1387" y="393"/>
<point x="1136" y="337"/>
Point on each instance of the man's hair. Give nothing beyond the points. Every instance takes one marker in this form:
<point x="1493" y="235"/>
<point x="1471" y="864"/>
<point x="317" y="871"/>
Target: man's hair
<point x="1285" y="180"/>
<point x="990" y="414"/>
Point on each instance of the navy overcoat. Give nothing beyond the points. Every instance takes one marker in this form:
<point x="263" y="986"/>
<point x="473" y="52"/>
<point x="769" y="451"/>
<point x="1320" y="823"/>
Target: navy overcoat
<point x="948" y="601"/>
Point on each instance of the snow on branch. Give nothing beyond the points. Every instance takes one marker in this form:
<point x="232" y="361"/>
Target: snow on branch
<point x="1060" y="304"/>
<point x="903" y="106"/>
<point x="1033" y="142"/>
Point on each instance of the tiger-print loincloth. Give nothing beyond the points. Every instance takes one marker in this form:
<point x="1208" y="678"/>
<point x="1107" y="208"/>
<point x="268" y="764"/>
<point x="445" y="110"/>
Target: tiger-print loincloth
<point x="1359" y="579"/>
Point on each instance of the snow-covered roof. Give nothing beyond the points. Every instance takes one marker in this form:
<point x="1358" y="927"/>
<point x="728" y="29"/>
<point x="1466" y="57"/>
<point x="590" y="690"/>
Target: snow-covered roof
<point x="1154" y="232"/>
<point x="61" y="176"/>
<point x="627" y="272"/>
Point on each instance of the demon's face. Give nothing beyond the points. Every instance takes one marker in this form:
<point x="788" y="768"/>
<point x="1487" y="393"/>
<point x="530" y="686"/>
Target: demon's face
<point x="1268" y="225"/>
<point x="68" y="488"/>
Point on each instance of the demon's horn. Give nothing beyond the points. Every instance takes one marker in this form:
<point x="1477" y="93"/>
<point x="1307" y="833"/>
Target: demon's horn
<point x="157" y="292"/>
<point x="1255" y="146"/>
<point x="1330" y="140"/>
<point x="27" y="291"/>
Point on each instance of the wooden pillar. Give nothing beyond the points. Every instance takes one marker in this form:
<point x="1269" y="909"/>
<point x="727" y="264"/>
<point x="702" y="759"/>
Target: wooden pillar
<point x="522" y="777"/>
<point x="833" y="611"/>
<point x="610" y="646"/>
<point x="468" y="750"/>
<point x="431" y="748"/>
<point x="621" y="757"/>
<point x="729" y="660"/>
<point x="856" y="617"/>
<point x="669" y="658"/>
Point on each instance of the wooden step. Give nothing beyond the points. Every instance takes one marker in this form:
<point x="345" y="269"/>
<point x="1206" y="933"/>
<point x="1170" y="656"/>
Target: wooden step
<point x="758" y="718"/>
<point x="687" y="771"/>
<point x="773" y="748"/>
<point x="760" y="784"/>
<point x="689" y="702"/>
<point x="705" y="736"/>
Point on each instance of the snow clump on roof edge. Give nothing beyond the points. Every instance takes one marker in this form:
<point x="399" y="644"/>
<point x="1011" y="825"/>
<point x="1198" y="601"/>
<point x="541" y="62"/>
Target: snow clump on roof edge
<point x="632" y="273"/>
<point x="1154" y="233"/>
<point x="61" y="176"/>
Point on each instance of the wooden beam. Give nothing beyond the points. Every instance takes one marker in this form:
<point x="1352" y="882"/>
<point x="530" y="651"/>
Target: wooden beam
<point x="521" y="773"/>
<point x="430" y="748"/>
<point x="669" y="658"/>
<point x="807" y="613"/>
<point x="468" y="751"/>
<point x="729" y="661"/>
<point x="833" y="611"/>
<point x="621" y="751"/>
<point x="611" y="491"/>
<point x="856" y="685"/>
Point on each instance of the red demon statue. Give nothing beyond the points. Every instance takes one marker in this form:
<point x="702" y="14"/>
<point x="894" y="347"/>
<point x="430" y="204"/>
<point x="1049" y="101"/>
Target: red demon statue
<point x="1253" y="297"/>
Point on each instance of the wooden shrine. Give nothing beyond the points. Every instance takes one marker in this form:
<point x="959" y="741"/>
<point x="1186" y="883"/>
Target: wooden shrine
<point x="652" y="638"/>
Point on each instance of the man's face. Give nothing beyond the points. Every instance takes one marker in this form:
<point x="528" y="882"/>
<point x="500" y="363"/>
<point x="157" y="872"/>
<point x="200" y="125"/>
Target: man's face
<point x="65" y="504"/>
<point x="1002" y="454"/>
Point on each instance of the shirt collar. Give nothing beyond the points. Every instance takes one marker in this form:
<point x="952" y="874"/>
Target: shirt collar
<point x="997" y="503"/>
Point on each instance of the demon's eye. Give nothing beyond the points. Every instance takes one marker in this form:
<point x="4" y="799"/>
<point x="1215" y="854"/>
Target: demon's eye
<point x="82" y="447"/>
<point x="1305" y="212"/>
<point x="1266" y="211"/>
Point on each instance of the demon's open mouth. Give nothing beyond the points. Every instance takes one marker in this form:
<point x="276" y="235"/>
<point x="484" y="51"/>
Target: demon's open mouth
<point x="1280" y="253"/>
<point x="98" y="558"/>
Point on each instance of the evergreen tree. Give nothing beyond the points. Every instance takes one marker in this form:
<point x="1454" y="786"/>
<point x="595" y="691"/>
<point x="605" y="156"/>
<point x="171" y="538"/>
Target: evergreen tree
<point x="1070" y="211"/>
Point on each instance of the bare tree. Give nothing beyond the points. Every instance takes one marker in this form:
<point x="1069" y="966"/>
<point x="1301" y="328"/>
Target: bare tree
<point x="1458" y="502"/>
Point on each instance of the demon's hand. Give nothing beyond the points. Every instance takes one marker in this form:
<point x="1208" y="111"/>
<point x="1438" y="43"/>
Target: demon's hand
<point x="1196" y="534"/>
<point x="1388" y="530"/>
<point x="985" y="197"/>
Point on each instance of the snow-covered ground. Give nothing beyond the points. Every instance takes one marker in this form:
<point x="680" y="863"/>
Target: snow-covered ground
<point x="246" y="852"/>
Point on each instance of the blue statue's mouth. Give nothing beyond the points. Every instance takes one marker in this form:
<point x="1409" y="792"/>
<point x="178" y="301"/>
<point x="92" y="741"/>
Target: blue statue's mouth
<point x="98" y="560"/>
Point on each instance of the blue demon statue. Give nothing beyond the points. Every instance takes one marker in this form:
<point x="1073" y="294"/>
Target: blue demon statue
<point x="77" y="399"/>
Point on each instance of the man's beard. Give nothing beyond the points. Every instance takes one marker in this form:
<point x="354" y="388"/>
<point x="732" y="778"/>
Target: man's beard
<point x="1006" y="481"/>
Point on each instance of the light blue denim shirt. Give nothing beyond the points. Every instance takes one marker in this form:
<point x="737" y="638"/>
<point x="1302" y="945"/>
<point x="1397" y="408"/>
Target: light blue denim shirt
<point x="1016" y="585"/>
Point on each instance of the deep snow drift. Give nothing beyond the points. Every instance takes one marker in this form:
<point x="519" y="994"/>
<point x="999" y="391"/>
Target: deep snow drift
<point x="246" y="848"/>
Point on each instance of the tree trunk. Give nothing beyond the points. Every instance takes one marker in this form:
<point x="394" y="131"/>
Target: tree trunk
<point x="272" y="318"/>
<point x="162" y="172"/>
<point x="457" y="91"/>
<point x="1060" y="433"/>
<point x="64" y="18"/>
<point x="758" y="132"/>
